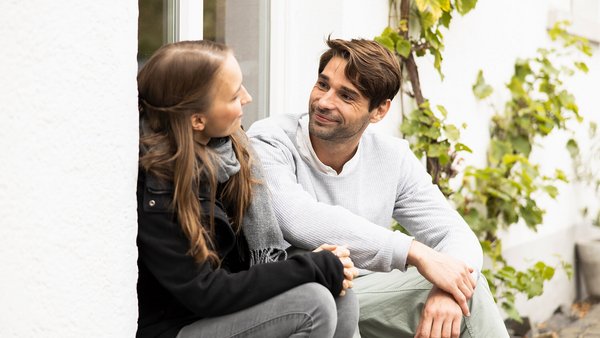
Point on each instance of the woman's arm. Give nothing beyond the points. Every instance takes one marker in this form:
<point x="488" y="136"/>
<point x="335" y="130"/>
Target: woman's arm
<point x="213" y="292"/>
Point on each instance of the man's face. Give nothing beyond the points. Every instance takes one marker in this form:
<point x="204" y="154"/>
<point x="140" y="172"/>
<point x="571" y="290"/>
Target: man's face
<point x="337" y="110"/>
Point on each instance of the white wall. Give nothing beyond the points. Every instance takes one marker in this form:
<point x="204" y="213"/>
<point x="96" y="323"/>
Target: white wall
<point x="68" y="162"/>
<point x="491" y="38"/>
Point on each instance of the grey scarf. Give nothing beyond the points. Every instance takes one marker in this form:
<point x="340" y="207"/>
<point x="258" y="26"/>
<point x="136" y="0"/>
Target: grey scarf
<point x="259" y="225"/>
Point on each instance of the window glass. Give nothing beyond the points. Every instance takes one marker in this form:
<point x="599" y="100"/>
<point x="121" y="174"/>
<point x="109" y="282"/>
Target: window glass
<point x="214" y="20"/>
<point x="241" y="24"/>
<point x="152" y="28"/>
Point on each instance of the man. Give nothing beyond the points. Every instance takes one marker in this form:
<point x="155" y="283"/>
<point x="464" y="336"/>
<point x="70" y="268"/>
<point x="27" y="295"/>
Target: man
<point x="334" y="181"/>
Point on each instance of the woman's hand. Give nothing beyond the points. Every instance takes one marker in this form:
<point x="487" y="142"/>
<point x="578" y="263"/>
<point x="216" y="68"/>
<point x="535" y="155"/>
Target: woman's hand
<point x="344" y="255"/>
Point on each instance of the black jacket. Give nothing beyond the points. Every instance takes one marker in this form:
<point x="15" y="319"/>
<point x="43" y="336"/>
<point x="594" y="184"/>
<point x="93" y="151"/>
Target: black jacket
<point x="174" y="291"/>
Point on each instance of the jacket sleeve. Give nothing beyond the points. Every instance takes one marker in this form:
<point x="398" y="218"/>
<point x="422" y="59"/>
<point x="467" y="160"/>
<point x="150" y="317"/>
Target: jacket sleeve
<point x="209" y="292"/>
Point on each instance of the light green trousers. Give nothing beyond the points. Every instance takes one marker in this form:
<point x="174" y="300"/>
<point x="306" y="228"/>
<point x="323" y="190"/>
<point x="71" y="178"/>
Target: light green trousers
<point x="391" y="304"/>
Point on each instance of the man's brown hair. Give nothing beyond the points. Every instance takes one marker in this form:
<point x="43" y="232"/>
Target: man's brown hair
<point x="371" y="68"/>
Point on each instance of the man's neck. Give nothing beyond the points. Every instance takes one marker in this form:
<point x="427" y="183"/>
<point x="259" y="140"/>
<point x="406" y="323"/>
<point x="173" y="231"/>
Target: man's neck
<point x="334" y="154"/>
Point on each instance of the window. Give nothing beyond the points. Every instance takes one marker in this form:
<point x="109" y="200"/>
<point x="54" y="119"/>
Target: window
<point x="241" y="24"/>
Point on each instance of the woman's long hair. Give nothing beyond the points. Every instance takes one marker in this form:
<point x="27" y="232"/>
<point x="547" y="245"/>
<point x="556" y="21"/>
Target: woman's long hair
<point x="175" y="83"/>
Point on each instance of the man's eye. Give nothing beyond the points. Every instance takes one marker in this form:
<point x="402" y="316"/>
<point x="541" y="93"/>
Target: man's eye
<point x="321" y="85"/>
<point x="346" y="97"/>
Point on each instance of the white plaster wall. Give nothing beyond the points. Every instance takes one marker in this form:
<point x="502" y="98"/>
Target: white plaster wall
<point x="491" y="38"/>
<point x="68" y="166"/>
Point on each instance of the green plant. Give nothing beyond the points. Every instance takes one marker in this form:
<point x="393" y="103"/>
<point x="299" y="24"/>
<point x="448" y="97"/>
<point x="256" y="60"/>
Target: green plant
<point x="504" y="192"/>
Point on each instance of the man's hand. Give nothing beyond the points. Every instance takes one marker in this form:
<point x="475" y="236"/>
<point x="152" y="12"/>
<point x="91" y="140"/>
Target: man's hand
<point x="445" y="272"/>
<point x="344" y="255"/>
<point x="441" y="316"/>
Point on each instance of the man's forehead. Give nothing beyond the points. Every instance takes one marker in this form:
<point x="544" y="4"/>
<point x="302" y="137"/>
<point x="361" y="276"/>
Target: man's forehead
<point x="335" y="70"/>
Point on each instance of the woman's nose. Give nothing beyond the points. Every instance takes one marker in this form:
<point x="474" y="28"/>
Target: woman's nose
<point x="246" y="97"/>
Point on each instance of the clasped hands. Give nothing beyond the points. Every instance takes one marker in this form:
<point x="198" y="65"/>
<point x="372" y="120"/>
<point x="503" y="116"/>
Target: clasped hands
<point x="343" y="254"/>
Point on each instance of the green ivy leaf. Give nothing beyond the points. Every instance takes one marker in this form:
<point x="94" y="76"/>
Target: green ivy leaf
<point x="573" y="148"/>
<point x="403" y="47"/>
<point x="521" y="144"/>
<point x="445" y="19"/>
<point x="434" y="7"/>
<point x="582" y="66"/>
<point x="480" y="88"/>
<point x="560" y="175"/>
<point x="437" y="149"/>
<point x="551" y="190"/>
<point x="451" y="132"/>
<point x="386" y="41"/>
<point x="462" y="147"/>
<point x="427" y="20"/>
<point x="497" y="150"/>
<point x="465" y="6"/>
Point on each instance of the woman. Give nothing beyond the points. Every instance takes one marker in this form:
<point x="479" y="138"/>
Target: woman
<point x="211" y="256"/>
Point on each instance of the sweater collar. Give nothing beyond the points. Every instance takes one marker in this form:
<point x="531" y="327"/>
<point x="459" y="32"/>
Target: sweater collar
<point x="306" y="151"/>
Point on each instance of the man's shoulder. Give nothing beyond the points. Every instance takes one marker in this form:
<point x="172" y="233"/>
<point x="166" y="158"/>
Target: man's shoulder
<point x="384" y="142"/>
<point x="275" y="126"/>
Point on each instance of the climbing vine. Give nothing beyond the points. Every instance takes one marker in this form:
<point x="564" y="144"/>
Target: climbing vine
<point x="505" y="191"/>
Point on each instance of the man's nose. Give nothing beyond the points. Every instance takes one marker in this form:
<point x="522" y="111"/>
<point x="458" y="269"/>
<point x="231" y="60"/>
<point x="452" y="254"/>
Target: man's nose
<point x="326" y="101"/>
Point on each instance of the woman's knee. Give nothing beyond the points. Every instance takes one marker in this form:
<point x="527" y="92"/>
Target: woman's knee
<point x="320" y="306"/>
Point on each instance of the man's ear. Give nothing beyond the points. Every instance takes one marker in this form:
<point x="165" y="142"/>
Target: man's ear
<point x="198" y="121"/>
<point x="379" y="112"/>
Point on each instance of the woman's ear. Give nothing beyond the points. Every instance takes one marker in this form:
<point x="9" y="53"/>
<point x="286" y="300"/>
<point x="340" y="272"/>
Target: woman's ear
<point x="198" y="121"/>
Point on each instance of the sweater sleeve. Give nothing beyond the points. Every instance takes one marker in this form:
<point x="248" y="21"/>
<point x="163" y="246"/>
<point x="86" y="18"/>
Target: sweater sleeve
<point x="307" y="223"/>
<point x="209" y="292"/>
<point x="423" y="210"/>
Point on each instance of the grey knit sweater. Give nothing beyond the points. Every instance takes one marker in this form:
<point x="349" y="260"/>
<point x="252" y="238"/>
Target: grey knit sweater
<point x="383" y="180"/>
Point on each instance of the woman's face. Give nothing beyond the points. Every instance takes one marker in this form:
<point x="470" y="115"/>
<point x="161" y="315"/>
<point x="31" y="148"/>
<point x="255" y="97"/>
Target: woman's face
<point x="224" y="116"/>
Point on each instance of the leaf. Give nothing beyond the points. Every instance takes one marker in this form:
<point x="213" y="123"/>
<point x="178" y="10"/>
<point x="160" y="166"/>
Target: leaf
<point x="462" y="147"/>
<point x="521" y="145"/>
<point x="551" y="190"/>
<point x="445" y="19"/>
<point x="445" y="5"/>
<point x="511" y="311"/>
<point x="437" y="149"/>
<point x="403" y="47"/>
<point x="451" y="132"/>
<point x="385" y="41"/>
<point x="560" y="175"/>
<point x="465" y="6"/>
<point x="431" y="6"/>
<point x="497" y="150"/>
<point x="582" y="67"/>
<point x="442" y="110"/>
<point x="481" y="90"/>
<point x="437" y="62"/>
<point x="573" y="148"/>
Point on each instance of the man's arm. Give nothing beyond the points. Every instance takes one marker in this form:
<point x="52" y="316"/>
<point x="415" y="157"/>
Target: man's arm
<point x="424" y="211"/>
<point x="307" y="223"/>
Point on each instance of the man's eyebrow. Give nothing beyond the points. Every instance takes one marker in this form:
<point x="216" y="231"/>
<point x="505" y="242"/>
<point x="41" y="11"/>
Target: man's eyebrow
<point x="323" y="77"/>
<point x="350" y="91"/>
